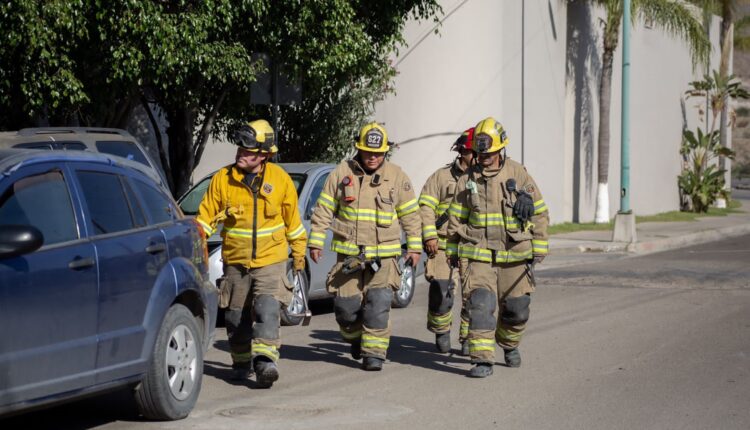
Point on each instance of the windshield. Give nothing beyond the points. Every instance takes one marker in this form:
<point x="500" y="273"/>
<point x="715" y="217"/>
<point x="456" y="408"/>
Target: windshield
<point x="192" y="199"/>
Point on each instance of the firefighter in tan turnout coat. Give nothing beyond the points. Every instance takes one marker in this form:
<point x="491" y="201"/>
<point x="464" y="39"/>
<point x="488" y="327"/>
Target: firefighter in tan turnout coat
<point x="437" y="194"/>
<point x="363" y="202"/>
<point x="498" y="222"/>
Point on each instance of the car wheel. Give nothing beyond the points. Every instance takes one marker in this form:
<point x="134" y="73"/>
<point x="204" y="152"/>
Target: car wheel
<point x="173" y="380"/>
<point x="405" y="293"/>
<point x="291" y="315"/>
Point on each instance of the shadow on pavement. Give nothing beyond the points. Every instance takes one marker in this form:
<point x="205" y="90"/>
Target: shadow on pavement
<point x="402" y="350"/>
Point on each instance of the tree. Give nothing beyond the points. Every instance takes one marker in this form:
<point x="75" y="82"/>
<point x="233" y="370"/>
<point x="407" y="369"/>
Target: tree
<point x="90" y="62"/>
<point x="727" y="9"/>
<point x="673" y="17"/>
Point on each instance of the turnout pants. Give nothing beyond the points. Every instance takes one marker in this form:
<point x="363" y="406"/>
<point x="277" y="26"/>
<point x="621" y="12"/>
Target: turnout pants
<point x="497" y="297"/>
<point x="255" y="297"/>
<point x="439" y="314"/>
<point x="363" y="303"/>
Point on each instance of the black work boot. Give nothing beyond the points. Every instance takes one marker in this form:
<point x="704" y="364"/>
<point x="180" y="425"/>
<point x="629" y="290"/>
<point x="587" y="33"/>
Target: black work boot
<point x="481" y="370"/>
<point x="372" y="363"/>
<point x="443" y="342"/>
<point x="266" y="372"/>
<point x="512" y="357"/>
<point x="356" y="350"/>
<point x="465" y="348"/>
<point x="241" y="372"/>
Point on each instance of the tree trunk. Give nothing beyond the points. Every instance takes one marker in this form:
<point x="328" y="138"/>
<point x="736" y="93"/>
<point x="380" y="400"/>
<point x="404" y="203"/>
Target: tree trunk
<point x="208" y="124"/>
<point x="181" y="159"/>
<point x="605" y="101"/>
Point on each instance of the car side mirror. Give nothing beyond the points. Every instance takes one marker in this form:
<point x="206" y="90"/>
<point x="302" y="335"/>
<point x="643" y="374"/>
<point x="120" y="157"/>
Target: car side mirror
<point x="17" y="240"/>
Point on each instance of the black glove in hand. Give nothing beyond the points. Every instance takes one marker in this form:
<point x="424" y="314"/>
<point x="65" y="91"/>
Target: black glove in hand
<point x="524" y="207"/>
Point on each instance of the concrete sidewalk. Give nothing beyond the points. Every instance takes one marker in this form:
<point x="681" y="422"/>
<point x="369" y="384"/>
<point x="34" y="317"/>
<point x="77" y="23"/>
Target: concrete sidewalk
<point x="657" y="236"/>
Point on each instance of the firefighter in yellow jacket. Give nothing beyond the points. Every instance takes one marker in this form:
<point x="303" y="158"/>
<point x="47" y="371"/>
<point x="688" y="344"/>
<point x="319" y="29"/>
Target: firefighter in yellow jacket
<point x="498" y="222"/>
<point x="363" y="202"/>
<point x="257" y="203"/>
<point x="437" y="194"/>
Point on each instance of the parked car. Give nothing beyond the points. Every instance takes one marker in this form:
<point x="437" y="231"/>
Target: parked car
<point x="309" y="178"/>
<point x="103" y="284"/>
<point x="113" y="141"/>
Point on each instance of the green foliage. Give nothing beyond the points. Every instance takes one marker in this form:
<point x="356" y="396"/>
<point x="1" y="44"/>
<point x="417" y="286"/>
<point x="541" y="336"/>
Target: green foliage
<point x="90" y="62"/>
<point x="718" y="90"/>
<point x="700" y="180"/>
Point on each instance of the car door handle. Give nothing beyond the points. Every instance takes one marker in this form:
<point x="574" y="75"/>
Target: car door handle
<point x="81" y="263"/>
<point x="156" y="248"/>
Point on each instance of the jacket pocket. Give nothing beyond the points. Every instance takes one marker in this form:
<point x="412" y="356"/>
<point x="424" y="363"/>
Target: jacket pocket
<point x="272" y="209"/>
<point x="384" y="212"/>
<point x="388" y="234"/>
<point x="225" y="291"/>
<point x="520" y="236"/>
<point x="471" y="234"/>
<point x="341" y="229"/>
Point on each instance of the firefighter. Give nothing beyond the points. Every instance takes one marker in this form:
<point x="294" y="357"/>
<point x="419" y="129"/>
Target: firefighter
<point x="498" y="223"/>
<point x="257" y="203"/>
<point x="363" y="202"/>
<point x="437" y="194"/>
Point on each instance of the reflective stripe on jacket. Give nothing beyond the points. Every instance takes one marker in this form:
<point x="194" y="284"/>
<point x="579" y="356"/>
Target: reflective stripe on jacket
<point x="436" y="197"/>
<point x="278" y="225"/>
<point x="481" y="220"/>
<point x="364" y="210"/>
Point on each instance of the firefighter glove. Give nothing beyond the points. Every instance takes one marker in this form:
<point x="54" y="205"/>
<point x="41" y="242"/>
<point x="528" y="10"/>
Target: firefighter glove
<point x="524" y="207"/>
<point x="299" y="263"/>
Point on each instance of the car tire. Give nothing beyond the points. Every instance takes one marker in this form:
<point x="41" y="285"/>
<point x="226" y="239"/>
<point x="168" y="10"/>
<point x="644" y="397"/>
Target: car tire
<point x="173" y="379"/>
<point x="289" y="314"/>
<point x="402" y="298"/>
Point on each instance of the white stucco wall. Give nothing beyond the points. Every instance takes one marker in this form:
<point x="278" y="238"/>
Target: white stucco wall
<point x="474" y="68"/>
<point x="535" y="66"/>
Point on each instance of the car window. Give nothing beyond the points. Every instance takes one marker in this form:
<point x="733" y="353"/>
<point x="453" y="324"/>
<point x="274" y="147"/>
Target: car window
<point x="135" y="207"/>
<point x="48" y="144"/>
<point x="157" y="205"/>
<point x="192" y="200"/>
<point x="41" y="201"/>
<point x="78" y="146"/>
<point x="122" y="148"/>
<point x="299" y="180"/>
<point x="315" y="193"/>
<point x="109" y="209"/>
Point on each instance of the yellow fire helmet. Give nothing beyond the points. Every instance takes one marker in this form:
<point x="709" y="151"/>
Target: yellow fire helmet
<point x="256" y="136"/>
<point x="489" y="136"/>
<point x="373" y="138"/>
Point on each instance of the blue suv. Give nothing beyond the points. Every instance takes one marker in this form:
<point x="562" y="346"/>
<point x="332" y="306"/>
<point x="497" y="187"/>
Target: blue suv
<point x="103" y="283"/>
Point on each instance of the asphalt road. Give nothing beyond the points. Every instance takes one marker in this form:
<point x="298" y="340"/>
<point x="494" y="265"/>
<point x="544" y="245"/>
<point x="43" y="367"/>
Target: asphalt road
<point x="653" y="342"/>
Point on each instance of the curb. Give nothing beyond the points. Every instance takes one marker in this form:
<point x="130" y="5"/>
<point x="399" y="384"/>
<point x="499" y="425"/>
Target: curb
<point x="687" y="240"/>
<point x="590" y="248"/>
<point x="657" y="245"/>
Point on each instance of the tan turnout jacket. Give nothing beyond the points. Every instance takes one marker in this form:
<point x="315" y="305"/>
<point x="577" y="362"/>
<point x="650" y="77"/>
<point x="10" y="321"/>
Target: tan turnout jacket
<point x="481" y="222"/>
<point x="364" y="210"/>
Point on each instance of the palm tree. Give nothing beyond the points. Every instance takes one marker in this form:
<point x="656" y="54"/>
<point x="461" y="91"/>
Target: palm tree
<point x="676" y="19"/>
<point x="727" y="9"/>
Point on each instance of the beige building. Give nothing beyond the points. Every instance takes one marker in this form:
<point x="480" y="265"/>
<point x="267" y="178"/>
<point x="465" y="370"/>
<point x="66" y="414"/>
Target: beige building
<point x="535" y="66"/>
